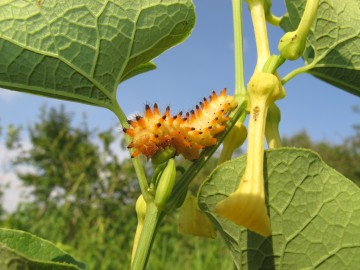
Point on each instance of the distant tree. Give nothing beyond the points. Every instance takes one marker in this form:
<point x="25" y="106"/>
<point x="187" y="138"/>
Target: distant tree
<point x="82" y="197"/>
<point x="2" y="185"/>
<point x="353" y="144"/>
<point x="81" y="194"/>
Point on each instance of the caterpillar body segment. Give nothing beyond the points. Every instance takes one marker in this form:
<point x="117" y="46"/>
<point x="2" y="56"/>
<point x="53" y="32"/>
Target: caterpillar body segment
<point x="188" y="134"/>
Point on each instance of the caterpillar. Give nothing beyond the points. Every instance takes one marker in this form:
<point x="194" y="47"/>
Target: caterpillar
<point x="188" y="135"/>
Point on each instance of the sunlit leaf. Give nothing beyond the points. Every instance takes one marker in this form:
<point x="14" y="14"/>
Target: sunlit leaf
<point x="333" y="48"/>
<point x="21" y="250"/>
<point x="314" y="211"/>
<point x="81" y="50"/>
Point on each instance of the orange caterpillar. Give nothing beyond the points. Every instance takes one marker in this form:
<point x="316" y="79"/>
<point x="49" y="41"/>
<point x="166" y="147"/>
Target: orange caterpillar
<point x="153" y="132"/>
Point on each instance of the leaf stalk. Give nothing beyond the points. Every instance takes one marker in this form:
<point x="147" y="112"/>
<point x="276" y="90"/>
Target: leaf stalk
<point x="240" y="89"/>
<point x="139" y="169"/>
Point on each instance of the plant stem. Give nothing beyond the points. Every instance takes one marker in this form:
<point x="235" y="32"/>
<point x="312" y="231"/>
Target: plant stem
<point x="240" y="89"/>
<point x="302" y="31"/>
<point x="136" y="161"/>
<point x="255" y="150"/>
<point x="307" y="18"/>
<point x="260" y="31"/>
<point x="272" y="19"/>
<point x="294" y="73"/>
<point x="273" y="63"/>
<point x="152" y="219"/>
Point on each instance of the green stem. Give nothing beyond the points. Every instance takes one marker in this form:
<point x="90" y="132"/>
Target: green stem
<point x="307" y="18"/>
<point x="273" y="63"/>
<point x="119" y="113"/>
<point x="293" y="43"/>
<point x="261" y="37"/>
<point x="294" y="73"/>
<point x="240" y="89"/>
<point x="272" y="19"/>
<point x="152" y="219"/>
<point x="136" y="161"/>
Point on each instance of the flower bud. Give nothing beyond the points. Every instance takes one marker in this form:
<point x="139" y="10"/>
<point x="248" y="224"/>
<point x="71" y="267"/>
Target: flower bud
<point x="165" y="184"/>
<point x="140" y="208"/>
<point x="272" y="127"/>
<point x="233" y="140"/>
<point x="193" y="221"/>
<point x="291" y="45"/>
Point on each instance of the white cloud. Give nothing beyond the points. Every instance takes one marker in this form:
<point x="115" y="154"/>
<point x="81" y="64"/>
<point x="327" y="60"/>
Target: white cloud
<point x="115" y="146"/>
<point x="5" y="157"/>
<point x="121" y="153"/>
<point x="14" y="191"/>
<point x="8" y="95"/>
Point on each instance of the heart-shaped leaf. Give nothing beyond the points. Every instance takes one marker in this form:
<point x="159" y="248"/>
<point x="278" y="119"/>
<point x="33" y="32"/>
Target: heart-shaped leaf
<point x="314" y="211"/>
<point x="21" y="250"/>
<point x="333" y="44"/>
<point x="81" y="50"/>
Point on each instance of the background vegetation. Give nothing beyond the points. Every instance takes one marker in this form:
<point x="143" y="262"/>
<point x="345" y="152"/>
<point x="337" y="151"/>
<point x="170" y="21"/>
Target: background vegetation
<point x="82" y="194"/>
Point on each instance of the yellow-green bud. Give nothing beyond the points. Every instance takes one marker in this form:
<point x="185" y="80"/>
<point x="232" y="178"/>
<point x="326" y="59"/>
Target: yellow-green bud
<point x="236" y="136"/>
<point x="140" y="208"/>
<point x="166" y="184"/>
<point x="193" y="221"/>
<point x="291" y="45"/>
<point x="233" y="140"/>
<point x="272" y="127"/>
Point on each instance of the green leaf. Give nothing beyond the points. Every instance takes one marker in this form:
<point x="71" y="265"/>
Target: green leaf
<point x="21" y="250"/>
<point x="81" y="50"/>
<point x="138" y="70"/>
<point x="333" y="45"/>
<point x="314" y="210"/>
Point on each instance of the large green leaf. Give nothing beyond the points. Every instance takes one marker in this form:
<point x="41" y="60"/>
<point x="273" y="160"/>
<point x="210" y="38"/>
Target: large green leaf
<point x="81" y="50"/>
<point x="21" y="250"/>
<point x="333" y="49"/>
<point x="314" y="210"/>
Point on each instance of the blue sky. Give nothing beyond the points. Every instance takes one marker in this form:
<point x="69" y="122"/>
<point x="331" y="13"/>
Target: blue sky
<point x="204" y="62"/>
<point x="187" y="73"/>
